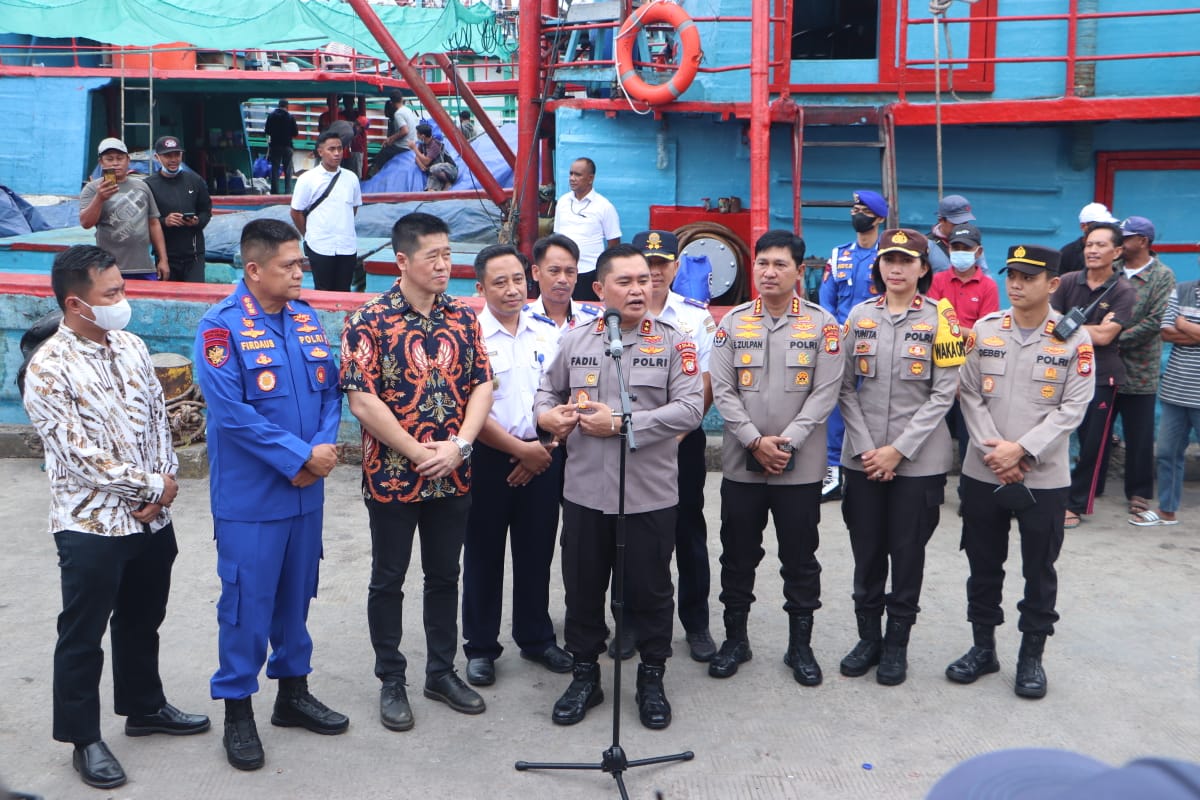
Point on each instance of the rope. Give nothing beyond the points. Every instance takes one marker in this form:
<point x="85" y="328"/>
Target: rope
<point x="185" y="415"/>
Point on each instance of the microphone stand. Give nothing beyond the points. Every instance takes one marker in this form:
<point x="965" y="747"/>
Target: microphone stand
<point x="613" y="760"/>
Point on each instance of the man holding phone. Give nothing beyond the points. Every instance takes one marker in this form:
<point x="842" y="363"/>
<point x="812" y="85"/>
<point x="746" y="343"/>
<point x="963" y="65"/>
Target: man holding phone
<point x="183" y="200"/>
<point x="776" y="369"/>
<point x="1022" y="391"/>
<point x="124" y="214"/>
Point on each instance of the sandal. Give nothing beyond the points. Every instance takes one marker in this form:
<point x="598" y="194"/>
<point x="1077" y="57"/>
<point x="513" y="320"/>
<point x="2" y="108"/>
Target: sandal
<point x="1138" y="505"/>
<point x="1148" y="519"/>
<point x="1071" y="521"/>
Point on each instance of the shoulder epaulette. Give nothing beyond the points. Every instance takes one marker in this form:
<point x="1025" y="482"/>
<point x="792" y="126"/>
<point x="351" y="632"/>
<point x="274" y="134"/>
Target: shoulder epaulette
<point x="542" y="318"/>
<point x="691" y="301"/>
<point x="589" y="309"/>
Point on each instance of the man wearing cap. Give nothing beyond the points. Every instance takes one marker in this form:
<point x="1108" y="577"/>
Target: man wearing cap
<point x="953" y="210"/>
<point x="1022" y="391"/>
<point x="1072" y="252"/>
<point x="1113" y="297"/>
<point x="589" y="219"/>
<point x="124" y="214"/>
<point x="183" y="200"/>
<point x="845" y="284"/>
<point x="281" y="131"/>
<point x="973" y="295"/>
<point x="777" y="369"/>
<point x="690" y="316"/>
<point x="1140" y="346"/>
<point x="555" y="270"/>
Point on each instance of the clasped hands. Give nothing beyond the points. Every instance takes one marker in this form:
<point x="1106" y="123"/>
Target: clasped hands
<point x="320" y="463"/>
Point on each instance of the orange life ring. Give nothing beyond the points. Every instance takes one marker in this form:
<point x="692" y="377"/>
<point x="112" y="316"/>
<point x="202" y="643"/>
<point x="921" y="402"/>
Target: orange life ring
<point x="689" y="62"/>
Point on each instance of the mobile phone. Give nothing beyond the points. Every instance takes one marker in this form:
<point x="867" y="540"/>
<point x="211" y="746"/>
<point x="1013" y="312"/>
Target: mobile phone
<point x="109" y="175"/>
<point x="189" y="215"/>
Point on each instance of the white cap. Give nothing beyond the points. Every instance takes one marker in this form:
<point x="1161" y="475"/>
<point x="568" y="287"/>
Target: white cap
<point x="112" y="143"/>
<point x="1095" y="212"/>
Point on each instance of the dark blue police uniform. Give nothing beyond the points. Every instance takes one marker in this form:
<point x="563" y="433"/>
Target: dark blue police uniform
<point x="271" y="384"/>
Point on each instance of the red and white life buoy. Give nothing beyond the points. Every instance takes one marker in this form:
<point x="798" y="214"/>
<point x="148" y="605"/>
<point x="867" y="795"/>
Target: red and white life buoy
<point x="689" y="63"/>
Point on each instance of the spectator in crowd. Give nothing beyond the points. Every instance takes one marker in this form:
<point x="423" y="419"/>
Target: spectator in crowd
<point x="1140" y="346"/>
<point x="556" y="270"/>
<point x="467" y="125"/>
<point x="182" y="199"/>
<point x="1072" y="252"/>
<point x="281" y="131"/>
<point x="401" y="133"/>
<point x="324" y="205"/>
<point x="1179" y="395"/>
<point x="953" y="210"/>
<point x="438" y="165"/>
<point x="125" y="216"/>
<point x="589" y="219"/>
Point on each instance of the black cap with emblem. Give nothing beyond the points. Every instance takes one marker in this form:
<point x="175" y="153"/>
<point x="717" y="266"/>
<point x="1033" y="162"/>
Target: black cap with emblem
<point x="1032" y="259"/>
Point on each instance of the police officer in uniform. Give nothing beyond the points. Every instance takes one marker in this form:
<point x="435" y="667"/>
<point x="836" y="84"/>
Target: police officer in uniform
<point x="1022" y="392"/>
<point x="268" y="375"/>
<point x="776" y="372"/>
<point x="556" y="271"/>
<point x="579" y="403"/>
<point x="691" y="317"/>
<point x="515" y="481"/>
<point x="897" y="448"/>
<point x="846" y="283"/>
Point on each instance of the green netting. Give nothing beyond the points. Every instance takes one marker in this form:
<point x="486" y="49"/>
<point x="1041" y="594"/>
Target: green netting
<point x="256" y="24"/>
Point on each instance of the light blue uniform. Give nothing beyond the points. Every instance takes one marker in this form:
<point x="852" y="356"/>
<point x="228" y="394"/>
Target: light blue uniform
<point x="846" y="283"/>
<point x="271" y="385"/>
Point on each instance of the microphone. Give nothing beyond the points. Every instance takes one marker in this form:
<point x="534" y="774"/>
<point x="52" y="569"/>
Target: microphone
<point x="612" y="324"/>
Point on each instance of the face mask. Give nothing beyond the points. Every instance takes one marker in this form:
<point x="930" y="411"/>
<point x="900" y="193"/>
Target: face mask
<point x="110" y="318"/>
<point x="862" y="222"/>
<point x="171" y="172"/>
<point x="962" y="260"/>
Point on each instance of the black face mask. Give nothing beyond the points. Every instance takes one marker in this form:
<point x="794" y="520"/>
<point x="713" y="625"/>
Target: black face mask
<point x="862" y="222"/>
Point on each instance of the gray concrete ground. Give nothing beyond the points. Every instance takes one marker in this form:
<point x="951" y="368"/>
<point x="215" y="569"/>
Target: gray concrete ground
<point x="1122" y="671"/>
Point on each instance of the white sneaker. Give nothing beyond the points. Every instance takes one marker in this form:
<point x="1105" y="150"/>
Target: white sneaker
<point x="832" y="482"/>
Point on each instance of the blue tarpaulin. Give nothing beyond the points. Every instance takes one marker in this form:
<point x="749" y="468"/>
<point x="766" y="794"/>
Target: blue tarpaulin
<point x="17" y="216"/>
<point x="401" y="173"/>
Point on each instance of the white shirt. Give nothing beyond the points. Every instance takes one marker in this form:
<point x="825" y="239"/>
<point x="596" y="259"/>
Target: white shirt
<point x="579" y="314"/>
<point x="329" y="229"/>
<point x="100" y="413"/>
<point x="692" y="318"/>
<point x="590" y="223"/>
<point x="517" y="365"/>
<point x="405" y="117"/>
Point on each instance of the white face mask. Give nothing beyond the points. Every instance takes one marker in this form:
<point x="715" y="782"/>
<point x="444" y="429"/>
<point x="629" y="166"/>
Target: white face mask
<point x="962" y="260"/>
<point x="110" y="318"/>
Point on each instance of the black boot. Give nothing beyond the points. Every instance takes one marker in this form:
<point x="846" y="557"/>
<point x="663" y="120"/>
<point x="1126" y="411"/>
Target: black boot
<point x="893" y="661"/>
<point x="866" y="653"/>
<point x="243" y="748"/>
<point x="799" y="655"/>
<point x="583" y="693"/>
<point x="979" y="660"/>
<point x="735" y="649"/>
<point x="1031" y="678"/>
<point x="651" y="698"/>
<point x="295" y="707"/>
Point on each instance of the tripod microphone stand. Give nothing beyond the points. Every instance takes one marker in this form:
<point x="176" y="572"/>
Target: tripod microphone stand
<point x="613" y="760"/>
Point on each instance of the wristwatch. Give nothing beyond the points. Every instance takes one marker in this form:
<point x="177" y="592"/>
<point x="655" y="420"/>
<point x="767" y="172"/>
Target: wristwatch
<point x="465" y="448"/>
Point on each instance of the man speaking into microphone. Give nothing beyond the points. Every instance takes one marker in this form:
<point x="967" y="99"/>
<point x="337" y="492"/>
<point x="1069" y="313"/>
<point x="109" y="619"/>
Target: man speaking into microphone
<point x="579" y="403"/>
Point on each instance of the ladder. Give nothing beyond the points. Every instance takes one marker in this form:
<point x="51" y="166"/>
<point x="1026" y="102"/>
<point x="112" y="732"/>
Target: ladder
<point x="128" y="104"/>
<point x="884" y="141"/>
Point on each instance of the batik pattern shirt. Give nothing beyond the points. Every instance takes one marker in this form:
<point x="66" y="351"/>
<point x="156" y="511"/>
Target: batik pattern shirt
<point x="100" y="412"/>
<point x="424" y="369"/>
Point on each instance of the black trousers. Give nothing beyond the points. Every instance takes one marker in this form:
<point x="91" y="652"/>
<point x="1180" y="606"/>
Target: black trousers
<point x="331" y="273"/>
<point x="1137" y="423"/>
<point x="588" y="552"/>
<point x="891" y="520"/>
<point x="985" y="539"/>
<point x="187" y="270"/>
<point x="442" y="524"/>
<point x="797" y="514"/>
<point x="691" y="534"/>
<point x="1093" y="432"/>
<point x="281" y="160"/>
<point x="127" y="578"/>
<point x="530" y="514"/>
<point x="583" y="287"/>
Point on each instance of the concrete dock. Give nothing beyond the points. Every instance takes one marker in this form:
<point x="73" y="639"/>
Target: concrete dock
<point x="1122" y="673"/>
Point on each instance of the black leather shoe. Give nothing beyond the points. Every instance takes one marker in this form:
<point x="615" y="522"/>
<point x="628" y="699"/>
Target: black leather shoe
<point x="394" y="711"/>
<point x="1031" y="677"/>
<point x="893" y="661"/>
<point x="295" y="707"/>
<point x="702" y="645"/>
<point x="97" y="766"/>
<point x="725" y="663"/>
<point x="628" y="644"/>
<point x="977" y="662"/>
<point x="583" y="693"/>
<point x="553" y="658"/>
<point x="799" y="655"/>
<point x="481" y="671"/>
<point x="651" y="698"/>
<point x="451" y="690"/>
<point x="169" y="720"/>
<point x="243" y="748"/>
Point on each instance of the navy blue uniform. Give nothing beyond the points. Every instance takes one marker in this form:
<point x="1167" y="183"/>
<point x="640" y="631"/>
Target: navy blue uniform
<point x="271" y="385"/>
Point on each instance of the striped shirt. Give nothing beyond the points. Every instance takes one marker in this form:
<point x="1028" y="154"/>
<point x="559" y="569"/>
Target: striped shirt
<point x="100" y="413"/>
<point x="1181" y="379"/>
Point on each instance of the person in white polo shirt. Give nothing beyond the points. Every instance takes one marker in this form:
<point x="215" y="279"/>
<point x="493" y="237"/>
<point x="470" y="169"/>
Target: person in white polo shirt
<point x="589" y="219"/>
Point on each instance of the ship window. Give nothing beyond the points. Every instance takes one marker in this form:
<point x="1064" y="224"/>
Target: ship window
<point x="835" y="29"/>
